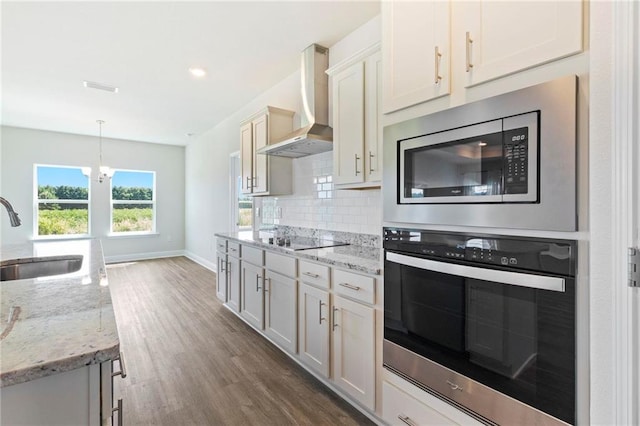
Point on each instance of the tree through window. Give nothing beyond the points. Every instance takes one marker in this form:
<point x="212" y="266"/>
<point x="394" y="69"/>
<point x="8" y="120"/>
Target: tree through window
<point x="62" y="195"/>
<point x="133" y="202"/>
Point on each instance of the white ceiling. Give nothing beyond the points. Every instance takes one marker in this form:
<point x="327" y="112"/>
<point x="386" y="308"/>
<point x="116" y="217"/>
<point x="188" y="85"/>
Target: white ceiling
<point x="145" y="49"/>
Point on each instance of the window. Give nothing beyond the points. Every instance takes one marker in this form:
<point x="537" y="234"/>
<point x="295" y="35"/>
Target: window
<point x="133" y="202"/>
<point x="62" y="195"/>
<point x="245" y="208"/>
<point x="241" y="205"/>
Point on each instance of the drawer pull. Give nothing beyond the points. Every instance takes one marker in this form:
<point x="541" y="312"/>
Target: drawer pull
<point x="320" y="317"/>
<point x="350" y="286"/>
<point x="335" y="324"/>
<point x="406" y="420"/>
<point x="232" y="249"/>
<point x="123" y="369"/>
<point x="119" y="410"/>
<point x="310" y="274"/>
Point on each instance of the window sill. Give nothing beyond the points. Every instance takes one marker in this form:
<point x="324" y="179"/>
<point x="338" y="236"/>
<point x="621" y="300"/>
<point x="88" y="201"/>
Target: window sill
<point x="61" y="237"/>
<point x="122" y="235"/>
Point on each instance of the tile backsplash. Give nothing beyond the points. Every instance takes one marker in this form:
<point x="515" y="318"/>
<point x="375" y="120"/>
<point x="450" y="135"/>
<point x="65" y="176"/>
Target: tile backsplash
<point x="316" y="204"/>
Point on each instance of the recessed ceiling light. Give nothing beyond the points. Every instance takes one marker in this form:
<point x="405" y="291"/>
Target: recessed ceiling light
<point x="100" y="86"/>
<point x="197" y="72"/>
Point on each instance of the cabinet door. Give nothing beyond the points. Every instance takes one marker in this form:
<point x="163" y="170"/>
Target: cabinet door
<point x="221" y="277"/>
<point x="373" y="115"/>
<point x="354" y="369"/>
<point x="415" y="51"/>
<point x="348" y="125"/>
<point x="260" y="162"/>
<point x="233" y="274"/>
<point x="252" y="295"/>
<point x="246" y="157"/>
<point x="280" y="310"/>
<point x="314" y="328"/>
<point x="505" y="37"/>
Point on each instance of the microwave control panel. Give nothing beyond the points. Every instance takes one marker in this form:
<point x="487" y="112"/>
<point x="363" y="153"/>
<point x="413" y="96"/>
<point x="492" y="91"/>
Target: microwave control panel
<point x="516" y="168"/>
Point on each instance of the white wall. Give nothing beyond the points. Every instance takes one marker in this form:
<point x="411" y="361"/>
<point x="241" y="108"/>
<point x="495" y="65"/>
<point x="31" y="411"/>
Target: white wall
<point x="22" y="148"/>
<point x="207" y="156"/>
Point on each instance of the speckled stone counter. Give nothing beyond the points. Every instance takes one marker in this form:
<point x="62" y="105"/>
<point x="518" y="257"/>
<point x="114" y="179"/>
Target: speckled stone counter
<point x="60" y="322"/>
<point x="359" y="258"/>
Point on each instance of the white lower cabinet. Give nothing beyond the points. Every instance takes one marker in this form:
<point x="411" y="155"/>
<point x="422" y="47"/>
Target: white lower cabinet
<point x="280" y="295"/>
<point x="398" y="408"/>
<point x="233" y="282"/>
<point x="222" y="277"/>
<point x="252" y="294"/>
<point x="83" y="396"/>
<point x="353" y="336"/>
<point x="314" y="314"/>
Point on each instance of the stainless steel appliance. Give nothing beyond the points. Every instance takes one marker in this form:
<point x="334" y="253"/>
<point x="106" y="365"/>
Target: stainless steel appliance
<point x="485" y="322"/>
<point x="506" y="162"/>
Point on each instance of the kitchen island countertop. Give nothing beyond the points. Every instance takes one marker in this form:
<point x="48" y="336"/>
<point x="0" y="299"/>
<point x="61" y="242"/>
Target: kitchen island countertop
<point x="354" y="257"/>
<point x="60" y="322"/>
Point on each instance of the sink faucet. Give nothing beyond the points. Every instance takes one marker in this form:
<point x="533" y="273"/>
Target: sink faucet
<point x="13" y="216"/>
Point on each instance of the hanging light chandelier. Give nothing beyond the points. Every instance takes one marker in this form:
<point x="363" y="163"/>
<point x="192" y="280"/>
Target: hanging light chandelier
<point x="104" y="172"/>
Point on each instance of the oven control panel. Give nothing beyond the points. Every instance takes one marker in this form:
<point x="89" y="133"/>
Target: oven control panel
<point x="534" y="254"/>
<point x="516" y="168"/>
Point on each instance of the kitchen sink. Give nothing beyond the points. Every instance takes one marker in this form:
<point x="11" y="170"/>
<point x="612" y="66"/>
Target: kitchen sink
<point x="34" y="267"/>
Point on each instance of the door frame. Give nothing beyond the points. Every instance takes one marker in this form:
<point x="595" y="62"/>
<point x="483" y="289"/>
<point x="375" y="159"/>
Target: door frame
<point x="625" y="206"/>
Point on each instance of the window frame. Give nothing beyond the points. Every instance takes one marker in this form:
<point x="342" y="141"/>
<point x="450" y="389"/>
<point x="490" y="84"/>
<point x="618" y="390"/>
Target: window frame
<point x="86" y="171"/>
<point x="152" y="202"/>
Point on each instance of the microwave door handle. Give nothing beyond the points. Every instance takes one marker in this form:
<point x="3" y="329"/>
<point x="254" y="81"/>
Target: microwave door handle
<point x="503" y="277"/>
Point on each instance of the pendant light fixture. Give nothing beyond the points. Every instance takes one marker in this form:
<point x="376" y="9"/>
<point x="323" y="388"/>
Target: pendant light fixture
<point x="104" y="172"/>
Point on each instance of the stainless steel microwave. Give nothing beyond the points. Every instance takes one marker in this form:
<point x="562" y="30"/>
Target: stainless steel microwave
<point x="491" y="162"/>
<point x="508" y="161"/>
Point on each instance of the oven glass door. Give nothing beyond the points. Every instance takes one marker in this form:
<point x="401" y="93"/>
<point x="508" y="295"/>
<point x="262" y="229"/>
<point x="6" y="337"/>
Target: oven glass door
<point x="478" y="163"/>
<point x="511" y="331"/>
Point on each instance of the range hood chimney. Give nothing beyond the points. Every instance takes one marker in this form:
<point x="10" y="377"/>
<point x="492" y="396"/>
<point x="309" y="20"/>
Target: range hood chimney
<point x="315" y="136"/>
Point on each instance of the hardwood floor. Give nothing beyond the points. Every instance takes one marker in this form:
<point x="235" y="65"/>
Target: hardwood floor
<point x="191" y="361"/>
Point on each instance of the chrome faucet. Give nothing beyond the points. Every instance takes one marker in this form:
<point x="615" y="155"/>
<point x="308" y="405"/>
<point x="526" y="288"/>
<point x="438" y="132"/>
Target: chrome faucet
<point x="13" y="216"/>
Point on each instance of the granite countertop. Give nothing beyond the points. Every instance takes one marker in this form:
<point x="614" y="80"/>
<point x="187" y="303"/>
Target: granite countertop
<point x="357" y="258"/>
<point x="61" y="322"/>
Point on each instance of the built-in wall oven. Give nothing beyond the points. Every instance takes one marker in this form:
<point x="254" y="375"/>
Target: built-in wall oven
<point x="506" y="162"/>
<point x="486" y="322"/>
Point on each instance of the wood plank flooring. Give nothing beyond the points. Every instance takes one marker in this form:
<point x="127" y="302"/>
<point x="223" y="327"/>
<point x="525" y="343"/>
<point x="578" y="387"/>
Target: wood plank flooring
<point x="192" y="362"/>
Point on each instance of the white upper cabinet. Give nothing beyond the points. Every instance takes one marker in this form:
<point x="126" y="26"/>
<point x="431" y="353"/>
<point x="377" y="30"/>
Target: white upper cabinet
<point x="357" y="130"/>
<point x="501" y="38"/>
<point x="415" y="52"/>
<point x="261" y="174"/>
<point x="436" y="48"/>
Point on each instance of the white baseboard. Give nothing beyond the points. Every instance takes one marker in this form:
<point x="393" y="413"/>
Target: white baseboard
<point x="202" y="261"/>
<point x="143" y="256"/>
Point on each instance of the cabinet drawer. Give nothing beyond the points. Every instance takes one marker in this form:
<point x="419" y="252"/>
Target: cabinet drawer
<point x="315" y="274"/>
<point x="252" y="255"/>
<point x="284" y="265"/>
<point x="399" y="408"/>
<point x="355" y="286"/>
<point x="233" y="248"/>
<point x="221" y="245"/>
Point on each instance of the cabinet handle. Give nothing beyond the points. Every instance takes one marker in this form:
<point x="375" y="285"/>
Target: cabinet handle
<point x="335" y="324"/>
<point x="371" y="155"/>
<point x="309" y="274"/>
<point x="350" y="286"/>
<point x="406" y="420"/>
<point x="437" y="58"/>
<point x="228" y="268"/>
<point x="254" y="181"/>
<point x="257" y="283"/>
<point x="123" y="369"/>
<point x="320" y="317"/>
<point x="248" y="185"/>
<point x="357" y="158"/>
<point x="119" y="410"/>
<point x="232" y="249"/>
<point x="468" y="44"/>
<point x="222" y="266"/>
<point x="265" y="285"/>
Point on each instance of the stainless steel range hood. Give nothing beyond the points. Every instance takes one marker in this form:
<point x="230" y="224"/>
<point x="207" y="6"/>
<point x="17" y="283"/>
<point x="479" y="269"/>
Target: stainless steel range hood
<point x="315" y="135"/>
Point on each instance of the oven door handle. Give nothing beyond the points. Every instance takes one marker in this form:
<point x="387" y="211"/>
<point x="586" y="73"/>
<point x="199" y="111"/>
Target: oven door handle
<point x="503" y="277"/>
